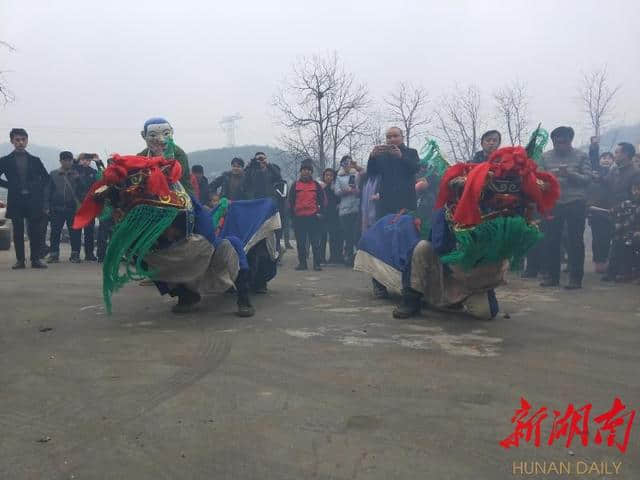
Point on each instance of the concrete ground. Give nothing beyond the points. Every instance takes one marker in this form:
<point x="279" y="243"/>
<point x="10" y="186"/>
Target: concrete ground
<point x="321" y="384"/>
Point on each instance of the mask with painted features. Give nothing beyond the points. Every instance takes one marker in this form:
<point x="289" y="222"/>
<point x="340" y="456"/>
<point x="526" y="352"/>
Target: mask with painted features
<point x="156" y="133"/>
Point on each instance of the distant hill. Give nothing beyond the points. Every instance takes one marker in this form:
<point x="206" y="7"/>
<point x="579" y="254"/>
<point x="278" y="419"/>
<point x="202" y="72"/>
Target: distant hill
<point x="217" y="160"/>
<point x="50" y="156"/>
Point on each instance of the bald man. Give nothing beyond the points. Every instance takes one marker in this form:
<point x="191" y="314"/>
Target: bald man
<point x="396" y="165"/>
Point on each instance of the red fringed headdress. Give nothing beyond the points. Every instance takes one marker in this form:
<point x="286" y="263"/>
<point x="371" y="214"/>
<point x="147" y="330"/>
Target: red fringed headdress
<point x="541" y="188"/>
<point x="146" y="176"/>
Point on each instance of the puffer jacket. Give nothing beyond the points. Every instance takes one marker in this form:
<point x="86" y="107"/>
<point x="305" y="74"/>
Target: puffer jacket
<point x="349" y="199"/>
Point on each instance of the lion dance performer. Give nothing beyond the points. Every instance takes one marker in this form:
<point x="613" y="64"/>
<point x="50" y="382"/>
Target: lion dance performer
<point x="483" y="221"/>
<point x="163" y="234"/>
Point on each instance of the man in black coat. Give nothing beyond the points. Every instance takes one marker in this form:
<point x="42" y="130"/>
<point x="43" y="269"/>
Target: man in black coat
<point x="262" y="177"/>
<point x="396" y="165"/>
<point x="87" y="176"/>
<point x="203" y="184"/>
<point x="27" y="182"/>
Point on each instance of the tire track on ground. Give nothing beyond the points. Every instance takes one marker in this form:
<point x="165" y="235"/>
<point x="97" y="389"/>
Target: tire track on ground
<point x="140" y="403"/>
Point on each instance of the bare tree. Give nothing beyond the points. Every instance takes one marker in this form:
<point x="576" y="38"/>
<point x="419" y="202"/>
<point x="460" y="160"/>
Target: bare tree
<point x="458" y="122"/>
<point x="375" y="129"/>
<point x="316" y="104"/>
<point x="597" y="97"/>
<point x="347" y="123"/>
<point x="6" y="95"/>
<point x="512" y="102"/>
<point x="407" y="106"/>
<point x="358" y="138"/>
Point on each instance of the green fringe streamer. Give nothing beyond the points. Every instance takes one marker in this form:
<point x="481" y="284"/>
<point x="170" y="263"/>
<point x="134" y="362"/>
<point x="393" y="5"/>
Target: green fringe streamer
<point x="537" y="142"/>
<point x="432" y="159"/>
<point x="220" y="212"/>
<point x="493" y="241"/>
<point x="169" y="149"/>
<point x="131" y="241"/>
<point x="107" y="211"/>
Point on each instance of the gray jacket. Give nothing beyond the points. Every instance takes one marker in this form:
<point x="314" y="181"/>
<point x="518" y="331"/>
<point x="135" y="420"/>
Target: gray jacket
<point x="575" y="185"/>
<point x="349" y="199"/>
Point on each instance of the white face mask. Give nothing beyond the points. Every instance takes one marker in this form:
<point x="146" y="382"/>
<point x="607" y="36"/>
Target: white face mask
<point x="156" y="137"/>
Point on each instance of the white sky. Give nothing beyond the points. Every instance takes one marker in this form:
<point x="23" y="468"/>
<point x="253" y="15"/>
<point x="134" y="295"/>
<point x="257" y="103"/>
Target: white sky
<point x="87" y="74"/>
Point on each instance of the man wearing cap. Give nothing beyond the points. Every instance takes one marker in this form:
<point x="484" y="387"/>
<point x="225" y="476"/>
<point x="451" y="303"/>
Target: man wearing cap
<point x="573" y="170"/>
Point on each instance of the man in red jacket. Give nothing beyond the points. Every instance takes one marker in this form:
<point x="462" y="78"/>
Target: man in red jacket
<point x="308" y="201"/>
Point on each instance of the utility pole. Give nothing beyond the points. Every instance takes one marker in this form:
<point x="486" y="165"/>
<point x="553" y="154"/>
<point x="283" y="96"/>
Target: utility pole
<point x="229" y="125"/>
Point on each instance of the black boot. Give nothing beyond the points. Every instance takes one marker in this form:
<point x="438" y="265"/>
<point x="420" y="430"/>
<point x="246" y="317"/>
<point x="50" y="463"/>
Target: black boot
<point x="379" y="290"/>
<point x="409" y="305"/>
<point x="574" y="284"/>
<point x="187" y="300"/>
<point x="36" y="263"/>
<point x="19" y="265"/>
<point x="245" y="309"/>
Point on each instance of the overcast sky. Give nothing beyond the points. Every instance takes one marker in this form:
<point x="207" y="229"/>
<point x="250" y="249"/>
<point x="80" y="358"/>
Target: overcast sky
<point x="87" y="74"/>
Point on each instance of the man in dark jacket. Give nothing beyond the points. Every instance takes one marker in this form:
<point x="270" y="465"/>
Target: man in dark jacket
<point x="262" y="177"/>
<point x="308" y="202"/>
<point x="231" y="183"/>
<point x="203" y="184"/>
<point x="88" y="176"/>
<point x="66" y="185"/>
<point x="620" y="183"/>
<point x="27" y="181"/>
<point x="397" y="166"/>
<point x="490" y="141"/>
<point x="573" y="170"/>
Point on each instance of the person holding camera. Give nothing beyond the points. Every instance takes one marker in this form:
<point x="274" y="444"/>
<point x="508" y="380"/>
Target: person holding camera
<point x="262" y="177"/>
<point x="396" y="166"/>
<point x="346" y="188"/>
<point x="573" y="170"/>
<point x="88" y="176"/>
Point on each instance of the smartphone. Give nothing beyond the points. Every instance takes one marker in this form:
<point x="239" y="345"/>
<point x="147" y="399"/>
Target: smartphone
<point x="352" y="180"/>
